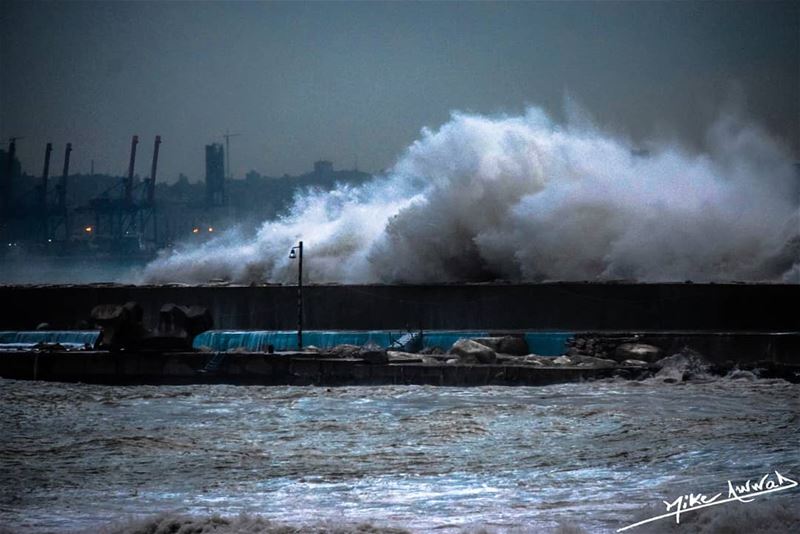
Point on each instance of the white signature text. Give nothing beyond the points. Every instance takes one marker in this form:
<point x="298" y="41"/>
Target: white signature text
<point x="735" y="492"/>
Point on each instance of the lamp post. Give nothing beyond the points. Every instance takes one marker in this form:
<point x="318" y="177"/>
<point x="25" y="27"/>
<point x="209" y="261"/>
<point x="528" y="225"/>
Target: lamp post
<point x="293" y="255"/>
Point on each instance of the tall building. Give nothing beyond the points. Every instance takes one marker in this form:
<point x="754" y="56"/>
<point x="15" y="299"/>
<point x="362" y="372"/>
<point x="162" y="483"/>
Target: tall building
<point x="215" y="175"/>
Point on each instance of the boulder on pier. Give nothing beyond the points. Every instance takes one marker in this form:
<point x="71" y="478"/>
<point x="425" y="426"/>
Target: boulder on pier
<point x="178" y="326"/>
<point x="514" y="345"/>
<point x="372" y="353"/>
<point x="469" y="351"/>
<point x="121" y="325"/>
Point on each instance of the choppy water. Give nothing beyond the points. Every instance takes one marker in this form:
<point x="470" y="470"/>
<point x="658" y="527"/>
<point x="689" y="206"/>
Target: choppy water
<point x="591" y="457"/>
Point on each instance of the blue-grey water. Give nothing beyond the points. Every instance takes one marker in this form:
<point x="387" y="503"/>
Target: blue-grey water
<point x="590" y="457"/>
<point x="17" y="268"/>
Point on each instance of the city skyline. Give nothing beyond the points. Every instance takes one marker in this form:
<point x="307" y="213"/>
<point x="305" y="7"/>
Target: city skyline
<point x="353" y="81"/>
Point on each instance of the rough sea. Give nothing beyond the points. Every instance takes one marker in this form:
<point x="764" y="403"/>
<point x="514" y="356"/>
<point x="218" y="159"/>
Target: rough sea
<point x="588" y="457"/>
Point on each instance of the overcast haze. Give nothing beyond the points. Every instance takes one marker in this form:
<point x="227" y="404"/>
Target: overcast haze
<point x="346" y="80"/>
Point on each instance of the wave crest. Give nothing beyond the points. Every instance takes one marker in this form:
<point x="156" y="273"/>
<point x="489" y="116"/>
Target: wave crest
<point x="526" y="199"/>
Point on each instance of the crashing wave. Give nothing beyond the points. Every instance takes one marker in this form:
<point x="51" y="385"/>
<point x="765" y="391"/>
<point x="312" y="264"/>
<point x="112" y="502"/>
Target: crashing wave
<point x="524" y="198"/>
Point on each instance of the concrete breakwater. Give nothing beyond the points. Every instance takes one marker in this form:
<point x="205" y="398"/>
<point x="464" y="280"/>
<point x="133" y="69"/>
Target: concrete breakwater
<point x="731" y="324"/>
<point x="467" y="363"/>
<point x="97" y="367"/>
<point x="547" y="306"/>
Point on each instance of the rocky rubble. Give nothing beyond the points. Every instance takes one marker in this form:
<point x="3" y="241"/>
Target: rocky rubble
<point x="373" y="354"/>
<point x="410" y="357"/>
<point x="579" y="360"/>
<point x="629" y="358"/>
<point x="513" y="345"/>
<point x="369" y="353"/>
<point x="615" y="347"/>
<point x="470" y="351"/>
<point x="683" y="366"/>
<point x="343" y="351"/>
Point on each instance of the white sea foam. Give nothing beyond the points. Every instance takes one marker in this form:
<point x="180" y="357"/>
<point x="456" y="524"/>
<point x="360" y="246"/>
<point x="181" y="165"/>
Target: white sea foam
<point x="244" y="524"/>
<point x="525" y="198"/>
<point x="770" y="516"/>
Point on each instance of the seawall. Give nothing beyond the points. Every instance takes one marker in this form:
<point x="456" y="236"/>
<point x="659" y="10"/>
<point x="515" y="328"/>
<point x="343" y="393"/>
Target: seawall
<point x="273" y="369"/>
<point x="303" y="369"/>
<point x="556" y="306"/>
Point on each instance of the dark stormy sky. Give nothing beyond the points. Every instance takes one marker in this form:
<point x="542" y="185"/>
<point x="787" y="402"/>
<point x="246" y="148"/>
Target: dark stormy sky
<point x="302" y="81"/>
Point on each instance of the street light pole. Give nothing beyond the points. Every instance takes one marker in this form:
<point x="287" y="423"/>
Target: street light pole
<point x="292" y="255"/>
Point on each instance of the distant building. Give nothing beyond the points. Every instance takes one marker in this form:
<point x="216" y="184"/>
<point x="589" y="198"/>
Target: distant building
<point x="215" y="175"/>
<point x="186" y="209"/>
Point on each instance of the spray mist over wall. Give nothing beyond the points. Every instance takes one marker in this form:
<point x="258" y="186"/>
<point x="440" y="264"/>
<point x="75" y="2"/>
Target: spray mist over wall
<point x="526" y="199"/>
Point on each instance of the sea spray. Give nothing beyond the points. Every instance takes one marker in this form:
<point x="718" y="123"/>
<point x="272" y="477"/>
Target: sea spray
<point x="527" y="199"/>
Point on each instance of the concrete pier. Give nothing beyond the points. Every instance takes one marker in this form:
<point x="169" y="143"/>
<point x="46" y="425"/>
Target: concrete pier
<point x="550" y="306"/>
<point x="179" y="368"/>
<point x="270" y="369"/>
<point x="730" y="324"/>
